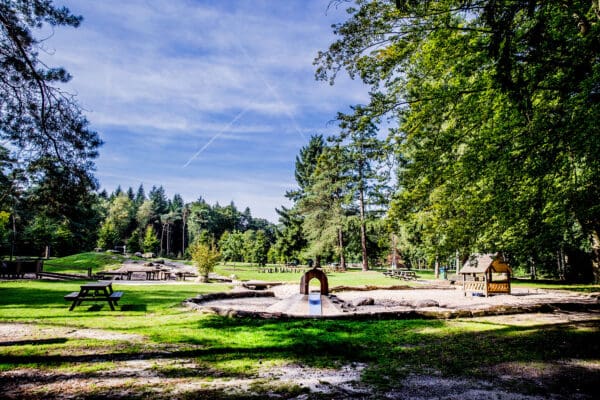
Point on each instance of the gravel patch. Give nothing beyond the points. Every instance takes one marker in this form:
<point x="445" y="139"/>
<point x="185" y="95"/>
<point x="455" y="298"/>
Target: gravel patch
<point x="11" y="332"/>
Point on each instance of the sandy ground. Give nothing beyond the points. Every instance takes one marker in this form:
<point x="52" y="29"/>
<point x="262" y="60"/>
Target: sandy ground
<point x="288" y="301"/>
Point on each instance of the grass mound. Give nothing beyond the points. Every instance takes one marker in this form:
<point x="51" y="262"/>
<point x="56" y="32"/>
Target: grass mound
<point x="79" y="263"/>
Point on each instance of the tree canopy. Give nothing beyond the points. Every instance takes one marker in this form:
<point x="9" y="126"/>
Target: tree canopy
<point x="47" y="149"/>
<point x="493" y="107"/>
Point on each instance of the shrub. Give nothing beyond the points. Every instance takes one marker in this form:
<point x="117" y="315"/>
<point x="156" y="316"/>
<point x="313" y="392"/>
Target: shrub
<point x="205" y="257"/>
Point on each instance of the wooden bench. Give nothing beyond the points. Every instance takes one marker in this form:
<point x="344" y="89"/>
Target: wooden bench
<point x="72" y="296"/>
<point x="114" y="275"/>
<point x="115" y="297"/>
<point x="18" y="268"/>
<point x="182" y="275"/>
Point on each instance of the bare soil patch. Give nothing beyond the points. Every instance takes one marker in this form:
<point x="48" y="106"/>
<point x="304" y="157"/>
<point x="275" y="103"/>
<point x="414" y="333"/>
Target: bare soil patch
<point x="15" y="332"/>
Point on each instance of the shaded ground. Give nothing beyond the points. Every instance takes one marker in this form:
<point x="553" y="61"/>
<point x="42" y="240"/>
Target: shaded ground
<point x="153" y="374"/>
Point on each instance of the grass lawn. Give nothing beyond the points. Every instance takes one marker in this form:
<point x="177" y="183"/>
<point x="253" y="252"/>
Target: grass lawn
<point x="182" y="344"/>
<point x="186" y="352"/>
<point x="79" y="263"/>
<point x="352" y="277"/>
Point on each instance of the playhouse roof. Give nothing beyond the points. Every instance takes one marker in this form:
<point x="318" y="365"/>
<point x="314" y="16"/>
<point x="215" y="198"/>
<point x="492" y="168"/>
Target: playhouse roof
<point x="480" y="263"/>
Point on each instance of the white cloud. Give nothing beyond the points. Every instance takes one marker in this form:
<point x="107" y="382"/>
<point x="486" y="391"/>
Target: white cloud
<point x="160" y="78"/>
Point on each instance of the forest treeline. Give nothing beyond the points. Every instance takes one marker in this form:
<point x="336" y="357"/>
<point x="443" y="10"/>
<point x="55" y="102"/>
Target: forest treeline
<point x="480" y="135"/>
<point x="137" y="222"/>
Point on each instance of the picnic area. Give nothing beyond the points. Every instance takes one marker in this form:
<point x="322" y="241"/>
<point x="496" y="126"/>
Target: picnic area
<point x="308" y="200"/>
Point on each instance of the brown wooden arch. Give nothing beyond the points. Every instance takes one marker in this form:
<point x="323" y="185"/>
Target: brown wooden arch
<point x="316" y="274"/>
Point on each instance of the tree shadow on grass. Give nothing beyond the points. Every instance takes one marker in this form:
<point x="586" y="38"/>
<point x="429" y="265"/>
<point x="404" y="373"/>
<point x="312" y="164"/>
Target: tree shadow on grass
<point x="391" y="349"/>
<point x="37" y="342"/>
<point x="134" y="307"/>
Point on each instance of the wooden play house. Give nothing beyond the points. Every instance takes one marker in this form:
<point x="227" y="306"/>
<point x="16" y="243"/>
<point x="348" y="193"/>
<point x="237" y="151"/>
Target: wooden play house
<point x="486" y="274"/>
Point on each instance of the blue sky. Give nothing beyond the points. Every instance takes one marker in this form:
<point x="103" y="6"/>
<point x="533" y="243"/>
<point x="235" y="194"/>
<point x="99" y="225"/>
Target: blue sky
<point x="206" y="98"/>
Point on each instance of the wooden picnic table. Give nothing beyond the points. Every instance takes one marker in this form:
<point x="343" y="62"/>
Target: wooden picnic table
<point x="401" y="274"/>
<point x="151" y="274"/>
<point x="95" y="291"/>
<point x="114" y="274"/>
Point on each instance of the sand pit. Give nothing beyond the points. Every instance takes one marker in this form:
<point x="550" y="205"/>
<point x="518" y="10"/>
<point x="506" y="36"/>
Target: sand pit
<point x="285" y="301"/>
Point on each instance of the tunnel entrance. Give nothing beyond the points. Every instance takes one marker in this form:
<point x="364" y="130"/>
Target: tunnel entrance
<point x="314" y="274"/>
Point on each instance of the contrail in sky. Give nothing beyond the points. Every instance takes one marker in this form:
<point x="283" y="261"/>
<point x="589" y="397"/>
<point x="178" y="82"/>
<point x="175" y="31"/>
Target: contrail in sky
<point x="272" y="90"/>
<point x="212" y="139"/>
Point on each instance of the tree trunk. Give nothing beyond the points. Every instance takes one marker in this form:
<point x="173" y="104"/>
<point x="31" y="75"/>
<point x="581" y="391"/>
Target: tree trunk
<point x="363" y="230"/>
<point x="394" y="253"/>
<point x="457" y="260"/>
<point x="162" y="237"/>
<point x="595" y="255"/>
<point x="533" y="272"/>
<point x="14" y="237"/>
<point x="560" y="259"/>
<point x="168" y="239"/>
<point x="183" y="233"/>
<point x="341" y="244"/>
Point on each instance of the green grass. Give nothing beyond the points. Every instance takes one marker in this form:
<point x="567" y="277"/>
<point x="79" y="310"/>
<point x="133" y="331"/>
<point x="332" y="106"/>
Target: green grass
<point x="234" y="348"/>
<point x="353" y="277"/>
<point x="558" y="285"/>
<point x="79" y="263"/>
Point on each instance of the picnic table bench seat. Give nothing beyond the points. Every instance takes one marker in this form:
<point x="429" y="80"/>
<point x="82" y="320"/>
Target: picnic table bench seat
<point x="72" y="296"/>
<point x="115" y="296"/>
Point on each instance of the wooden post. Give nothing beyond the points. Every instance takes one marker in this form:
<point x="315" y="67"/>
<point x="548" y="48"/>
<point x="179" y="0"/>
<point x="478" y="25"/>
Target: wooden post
<point x="457" y="260"/>
<point x="485" y="284"/>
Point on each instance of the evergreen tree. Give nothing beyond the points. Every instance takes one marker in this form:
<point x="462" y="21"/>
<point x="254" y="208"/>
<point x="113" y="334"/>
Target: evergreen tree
<point x="306" y="162"/>
<point x="290" y="237"/>
<point x="159" y="200"/>
<point x="325" y="204"/>
<point x="140" y="195"/>
<point x="365" y="155"/>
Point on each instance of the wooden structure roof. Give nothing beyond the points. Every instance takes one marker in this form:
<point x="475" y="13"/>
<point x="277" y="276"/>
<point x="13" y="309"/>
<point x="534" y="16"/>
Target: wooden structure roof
<point x="482" y="263"/>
